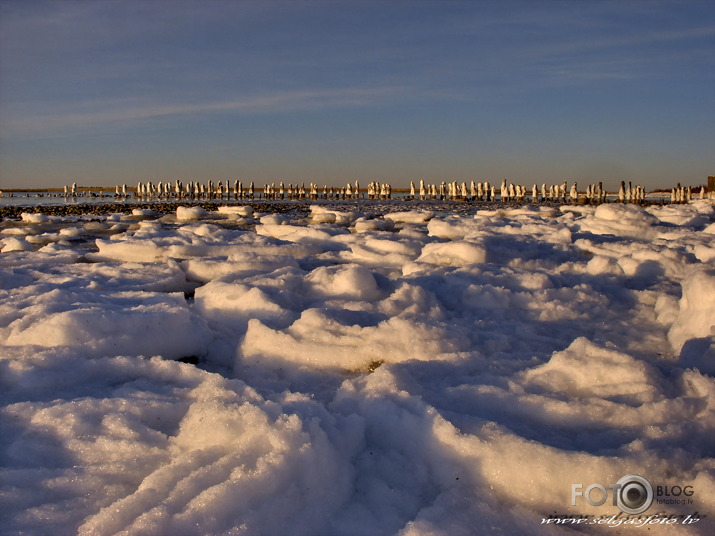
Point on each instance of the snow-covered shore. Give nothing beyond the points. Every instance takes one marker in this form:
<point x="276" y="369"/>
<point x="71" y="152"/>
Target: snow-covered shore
<point x="403" y="373"/>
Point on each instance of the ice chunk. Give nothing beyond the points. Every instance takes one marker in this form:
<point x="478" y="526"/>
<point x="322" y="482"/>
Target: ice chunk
<point x="411" y="216"/>
<point x="190" y="213"/>
<point x="323" y="214"/>
<point x="144" y="212"/>
<point x="293" y="233"/>
<point x="15" y="244"/>
<point x="34" y="217"/>
<point x="323" y="217"/>
<point x="244" y="211"/>
<point x="273" y="219"/>
<point x="364" y="225"/>
<point x="453" y="228"/>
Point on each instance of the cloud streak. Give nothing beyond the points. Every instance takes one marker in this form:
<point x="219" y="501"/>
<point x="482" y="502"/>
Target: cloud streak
<point x="59" y="124"/>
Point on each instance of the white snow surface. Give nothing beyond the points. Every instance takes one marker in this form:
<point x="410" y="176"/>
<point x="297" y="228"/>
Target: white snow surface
<point x="354" y="373"/>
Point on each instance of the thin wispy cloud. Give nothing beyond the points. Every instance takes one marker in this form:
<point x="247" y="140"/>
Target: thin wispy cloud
<point x="120" y="114"/>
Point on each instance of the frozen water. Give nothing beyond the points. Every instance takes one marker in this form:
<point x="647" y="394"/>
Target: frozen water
<point x="353" y="373"/>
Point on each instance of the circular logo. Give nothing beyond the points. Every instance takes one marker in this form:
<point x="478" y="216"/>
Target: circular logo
<point x="635" y="494"/>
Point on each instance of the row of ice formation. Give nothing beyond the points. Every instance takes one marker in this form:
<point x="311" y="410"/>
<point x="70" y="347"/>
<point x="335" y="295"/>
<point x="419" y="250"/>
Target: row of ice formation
<point x="475" y="191"/>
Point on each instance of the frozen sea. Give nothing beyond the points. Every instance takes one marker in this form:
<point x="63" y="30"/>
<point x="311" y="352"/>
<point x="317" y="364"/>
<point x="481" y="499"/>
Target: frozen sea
<point x="357" y="371"/>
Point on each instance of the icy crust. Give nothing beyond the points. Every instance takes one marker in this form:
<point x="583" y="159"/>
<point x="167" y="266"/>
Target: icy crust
<point x="406" y="373"/>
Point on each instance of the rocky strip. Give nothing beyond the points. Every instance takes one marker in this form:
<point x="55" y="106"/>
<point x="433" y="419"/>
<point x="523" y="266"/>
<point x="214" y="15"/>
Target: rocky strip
<point x="15" y="212"/>
<point x="261" y="206"/>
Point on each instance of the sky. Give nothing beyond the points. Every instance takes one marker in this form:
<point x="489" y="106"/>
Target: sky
<point x="110" y="92"/>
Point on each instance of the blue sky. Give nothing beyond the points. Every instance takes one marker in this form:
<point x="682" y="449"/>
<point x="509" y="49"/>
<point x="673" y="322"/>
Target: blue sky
<point x="106" y="92"/>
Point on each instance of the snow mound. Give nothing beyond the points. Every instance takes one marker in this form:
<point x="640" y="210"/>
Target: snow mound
<point x="318" y="340"/>
<point x="455" y="253"/>
<point x="114" y="324"/>
<point x="696" y="317"/>
<point x="350" y="282"/>
<point x="384" y="252"/>
<point x="621" y="220"/>
<point x="681" y="215"/>
<point x="586" y="370"/>
<point x="236" y="266"/>
<point x="231" y="305"/>
<point x="293" y="233"/>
